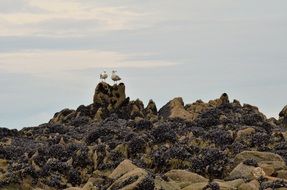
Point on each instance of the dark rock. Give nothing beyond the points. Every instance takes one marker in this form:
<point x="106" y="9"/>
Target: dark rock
<point x="98" y="133"/>
<point x="163" y="133"/>
<point x="4" y="132"/>
<point x="74" y="177"/>
<point x="212" y="186"/>
<point x="250" y="162"/>
<point x="57" y="128"/>
<point x="143" y="124"/>
<point x="151" y="108"/>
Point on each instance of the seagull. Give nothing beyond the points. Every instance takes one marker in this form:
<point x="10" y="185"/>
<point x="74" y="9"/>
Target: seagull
<point x="115" y="77"/>
<point x="103" y="76"/>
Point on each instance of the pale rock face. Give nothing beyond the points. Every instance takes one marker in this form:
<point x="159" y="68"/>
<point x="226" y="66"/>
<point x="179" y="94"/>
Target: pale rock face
<point x="128" y="176"/>
<point x="252" y="185"/>
<point x="184" y="178"/>
<point x="243" y="133"/>
<point x="258" y="156"/>
<point x="242" y="171"/>
<point x="175" y="109"/>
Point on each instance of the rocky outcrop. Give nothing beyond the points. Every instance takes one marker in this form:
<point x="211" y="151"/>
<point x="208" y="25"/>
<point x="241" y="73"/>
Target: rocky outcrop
<point x="118" y="143"/>
<point x="175" y="109"/>
<point x="258" y="157"/>
<point x="108" y="96"/>
<point x="283" y="117"/>
<point x="128" y="176"/>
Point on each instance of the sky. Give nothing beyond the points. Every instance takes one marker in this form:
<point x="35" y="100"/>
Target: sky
<point x="52" y="52"/>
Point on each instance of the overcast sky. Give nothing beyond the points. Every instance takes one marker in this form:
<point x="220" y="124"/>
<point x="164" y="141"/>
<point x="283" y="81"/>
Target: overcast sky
<point x="51" y="53"/>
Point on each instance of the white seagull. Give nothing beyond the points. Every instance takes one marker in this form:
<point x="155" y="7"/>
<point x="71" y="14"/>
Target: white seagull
<point x="115" y="77"/>
<point x="103" y="76"/>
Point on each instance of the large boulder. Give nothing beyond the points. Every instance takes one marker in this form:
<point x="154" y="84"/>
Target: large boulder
<point x="258" y="156"/>
<point x="198" y="107"/>
<point x="252" y="185"/>
<point x="267" y="161"/>
<point x="244" y="133"/>
<point x="185" y="178"/>
<point x="222" y="100"/>
<point x="127" y="176"/>
<point x="242" y="171"/>
<point x="283" y="112"/>
<point x="151" y="111"/>
<point x="196" y="186"/>
<point x="229" y="185"/>
<point x="109" y="96"/>
<point x="63" y="116"/>
<point x="175" y="109"/>
<point x="163" y="184"/>
<point x="151" y="108"/>
<point x="123" y="168"/>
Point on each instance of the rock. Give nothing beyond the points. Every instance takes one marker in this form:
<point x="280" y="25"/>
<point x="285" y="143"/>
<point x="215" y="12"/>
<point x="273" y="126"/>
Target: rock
<point x="161" y="184"/>
<point x="185" y="176"/>
<point x="109" y="96"/>
<point x="88" y="186"/>
<point x="63" y="116"/>
<point x="252" y="185"/>
<point x="282" y="174"/>
<point x="283" y="112"/>
<point x="137" y="109"/>
<point x="127" y="176"/>
<point x="131" y="180"/>
<point x="197" y="108"/>
<point x="123" y="168"/>
<point x="4" y="133"/>
<point x="283" y="117"/>
<point x="3" y="165"/>
<point x="242" y="171"/>
<point x="101" y="114"/>
<point x="12" y="187"/>
<point x="243" y="133"/>
<point x="269" y="162"/>
<point x="218" y="102"/>
<point x="151" y="108"/>
<point x="258" y="173"/>
<point x="196" y="186"/>
<point x="267" y="168"/>
<point x="258" y="156"/>
<point x="115" y="143"/>
<point x="284" y="134"/>
<point x="175" y="109"/>
<point x="229" y="185"/>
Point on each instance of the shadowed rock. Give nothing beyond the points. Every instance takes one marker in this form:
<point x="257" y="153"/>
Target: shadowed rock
<point x="109" y="96"/>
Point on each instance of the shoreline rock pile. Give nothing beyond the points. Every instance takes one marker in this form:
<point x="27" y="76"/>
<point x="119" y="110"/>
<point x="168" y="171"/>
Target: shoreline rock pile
<point x="115" y="143"/>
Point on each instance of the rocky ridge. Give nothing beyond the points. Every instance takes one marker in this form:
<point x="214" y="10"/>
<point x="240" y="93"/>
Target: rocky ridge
<point x="115" y="143"/>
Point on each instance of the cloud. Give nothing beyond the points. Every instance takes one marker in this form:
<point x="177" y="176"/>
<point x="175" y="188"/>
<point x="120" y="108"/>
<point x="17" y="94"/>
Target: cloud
<point x="48" y="62"/>
<point x="28" y="22"/>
